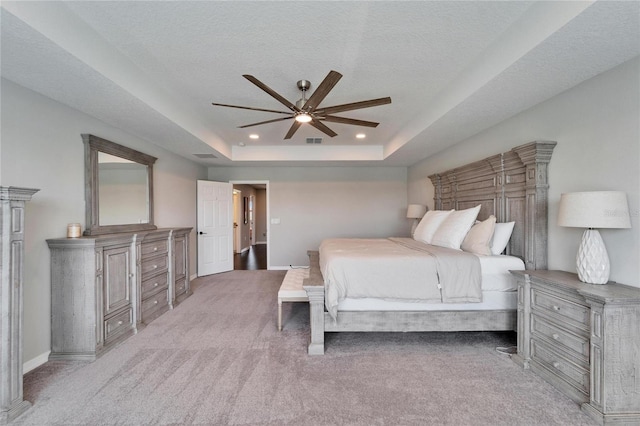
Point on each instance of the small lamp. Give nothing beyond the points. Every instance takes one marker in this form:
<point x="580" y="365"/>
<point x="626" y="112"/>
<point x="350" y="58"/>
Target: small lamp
<point x="415" y="212"/>
<point x="598" y="209"/>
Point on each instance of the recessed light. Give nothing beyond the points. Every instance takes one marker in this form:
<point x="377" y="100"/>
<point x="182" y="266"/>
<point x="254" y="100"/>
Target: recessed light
<point x="361" y="136"/>
<point x="254" y="136"/>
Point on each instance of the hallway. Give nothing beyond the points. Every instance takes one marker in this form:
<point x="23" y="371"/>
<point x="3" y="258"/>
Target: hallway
<point x="252" y="259"/>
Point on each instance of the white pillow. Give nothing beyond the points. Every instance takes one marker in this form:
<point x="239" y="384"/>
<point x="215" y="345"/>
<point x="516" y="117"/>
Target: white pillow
<point x="429" y="225"/>
<point x="478" y="240"/>
<point x="455" y="227"/>
<point x="501" y="235"/>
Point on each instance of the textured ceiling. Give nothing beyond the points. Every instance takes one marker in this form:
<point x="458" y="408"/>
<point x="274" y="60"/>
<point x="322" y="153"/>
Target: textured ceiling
<point x="452" y="69"/>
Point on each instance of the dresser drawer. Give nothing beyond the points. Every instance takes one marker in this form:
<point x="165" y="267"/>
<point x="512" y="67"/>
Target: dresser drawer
<point x="118" y="324"/>
<point x="154" y="284"/>
<point x="181" y="287"/>
<point x="575" y="345"/>
<point x="155" y="303"/>
<point x="153" y="266"/>
<point x="575" y="375"/>
<point x="577" y="313"/>
<point x="154" y="247"/>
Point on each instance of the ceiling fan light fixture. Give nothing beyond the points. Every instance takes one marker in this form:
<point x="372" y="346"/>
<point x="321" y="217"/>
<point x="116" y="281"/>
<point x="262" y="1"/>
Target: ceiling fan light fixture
<point x="303" y="117"/>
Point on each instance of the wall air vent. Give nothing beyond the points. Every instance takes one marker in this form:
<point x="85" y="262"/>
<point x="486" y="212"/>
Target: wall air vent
<point x="205" y="155"/>
<point x="314" y="140"/>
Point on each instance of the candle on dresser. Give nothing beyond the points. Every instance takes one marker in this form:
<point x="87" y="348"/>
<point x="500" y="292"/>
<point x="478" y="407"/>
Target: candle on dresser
<point x="73" y="230"/>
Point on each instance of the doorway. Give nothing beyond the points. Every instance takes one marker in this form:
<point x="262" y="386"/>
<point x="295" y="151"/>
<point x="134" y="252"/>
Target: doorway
<point x="251" y="225"/>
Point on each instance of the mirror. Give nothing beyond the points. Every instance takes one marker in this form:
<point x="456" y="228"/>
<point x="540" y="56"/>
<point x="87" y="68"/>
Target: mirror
<point x="119" y="188"/>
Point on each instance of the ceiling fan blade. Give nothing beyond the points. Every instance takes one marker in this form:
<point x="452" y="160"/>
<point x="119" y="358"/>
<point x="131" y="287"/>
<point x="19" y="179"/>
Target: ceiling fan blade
<point x="251" y="108"/>
<point x="354" y="105"/>
<point x="324" y="129"/>
<point x="294" y="127"/>
<point x="270" y="91"/>
<point x="344" y="120"/>
<point x="265" y="122"/>
<point x="322" y="91"/>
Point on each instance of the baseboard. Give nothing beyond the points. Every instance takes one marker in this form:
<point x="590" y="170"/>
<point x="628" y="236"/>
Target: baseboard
<point x="36" y="362"/>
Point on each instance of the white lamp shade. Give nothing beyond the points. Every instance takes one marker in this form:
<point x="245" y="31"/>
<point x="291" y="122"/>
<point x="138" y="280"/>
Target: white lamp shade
<point x="596" y="209"/>
<point x="416" y="211"/>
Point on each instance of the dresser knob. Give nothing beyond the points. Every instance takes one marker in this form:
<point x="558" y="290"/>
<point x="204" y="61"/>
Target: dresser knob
<point x="556" y="336"/>
<point x="131" y="275"/>
<point x="155" y="302"/>
<point x="556" y="364"/>
<point x="155" y="249"/>
<point x="155" y="266"/>
<point x="119" y="322"/>
<point x="556" y="308"/>
<point x="155" y="284"/>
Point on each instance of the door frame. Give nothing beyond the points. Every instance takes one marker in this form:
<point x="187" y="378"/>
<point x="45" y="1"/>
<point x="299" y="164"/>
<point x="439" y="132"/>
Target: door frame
<point x="268" y="215"/>
<point x="237" y="217"/>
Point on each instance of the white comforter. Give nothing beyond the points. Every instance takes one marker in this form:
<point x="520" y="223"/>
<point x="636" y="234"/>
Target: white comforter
<point x="397" y="269"/>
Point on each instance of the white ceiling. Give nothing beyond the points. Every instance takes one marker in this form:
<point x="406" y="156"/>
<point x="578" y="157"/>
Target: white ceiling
<point x="452" y="69"/>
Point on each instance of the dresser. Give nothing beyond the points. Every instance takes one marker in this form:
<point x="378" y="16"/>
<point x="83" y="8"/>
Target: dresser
<point x="105" y="288"/>
<point x="584" y="339"/>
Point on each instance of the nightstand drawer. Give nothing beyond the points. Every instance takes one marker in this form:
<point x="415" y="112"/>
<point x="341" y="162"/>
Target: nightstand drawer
<point x="573" y="374"/>
<point x="576" y="345"/>
<point x="563" y="308"/>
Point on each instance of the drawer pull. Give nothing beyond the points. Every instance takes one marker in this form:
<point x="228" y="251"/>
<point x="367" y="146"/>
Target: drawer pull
<point x="555" y="364"/>
<point x="555" y="336"/>
<point x="155" y="302"/>
<point x="155" y="249"/>
<point x="155" y="284"/>
<point x="131" y="275"/>
<point x="556" y="308"/>
<point x="155" y="266"/>
<point x="119" y="322"/>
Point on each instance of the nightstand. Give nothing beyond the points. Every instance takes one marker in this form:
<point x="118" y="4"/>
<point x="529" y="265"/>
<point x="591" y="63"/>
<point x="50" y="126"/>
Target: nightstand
<point x="584" y="339"/>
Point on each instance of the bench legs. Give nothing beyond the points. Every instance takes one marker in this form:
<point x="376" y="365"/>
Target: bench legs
<point x="316" y="317"/>
<point x="279" y="315"/>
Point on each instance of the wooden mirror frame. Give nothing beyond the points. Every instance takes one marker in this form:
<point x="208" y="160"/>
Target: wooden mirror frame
<point x="93" y="145"/>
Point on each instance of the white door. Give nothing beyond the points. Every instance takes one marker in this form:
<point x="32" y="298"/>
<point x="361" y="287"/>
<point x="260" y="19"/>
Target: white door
<point x="215" y="227"/>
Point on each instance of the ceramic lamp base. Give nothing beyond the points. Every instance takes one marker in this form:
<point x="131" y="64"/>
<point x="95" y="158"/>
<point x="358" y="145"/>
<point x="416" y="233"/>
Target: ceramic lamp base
<point x="592" y="260"/>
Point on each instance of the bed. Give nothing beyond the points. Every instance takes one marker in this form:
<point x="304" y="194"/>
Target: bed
<point x="513" y="187"/>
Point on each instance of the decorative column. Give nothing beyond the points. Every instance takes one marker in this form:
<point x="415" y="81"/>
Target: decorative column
<point x="11" y="307"/>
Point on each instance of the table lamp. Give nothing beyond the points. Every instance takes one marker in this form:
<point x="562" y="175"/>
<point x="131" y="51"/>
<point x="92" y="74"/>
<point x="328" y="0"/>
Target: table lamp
<point x="415" y="212"/>
<point x="597" y="209"/>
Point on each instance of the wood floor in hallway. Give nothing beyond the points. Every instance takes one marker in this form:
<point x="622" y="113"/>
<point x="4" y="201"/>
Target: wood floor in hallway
<point x="252" y="259"/>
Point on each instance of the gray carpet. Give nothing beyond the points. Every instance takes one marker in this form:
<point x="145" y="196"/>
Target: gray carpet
<point x="218" y="359"/>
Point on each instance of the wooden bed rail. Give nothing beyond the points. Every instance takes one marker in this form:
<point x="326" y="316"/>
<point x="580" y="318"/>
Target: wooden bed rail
<point x="314" y="285"/>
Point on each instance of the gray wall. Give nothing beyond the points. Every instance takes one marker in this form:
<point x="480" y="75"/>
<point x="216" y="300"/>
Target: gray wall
<point x="597" y="127"/>
<point x="314" y="203"/>
<point x="41" y="148"/>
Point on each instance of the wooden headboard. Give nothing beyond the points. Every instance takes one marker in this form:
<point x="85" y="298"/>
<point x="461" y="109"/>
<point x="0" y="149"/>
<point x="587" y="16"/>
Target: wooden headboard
<point x="513" y="186"/>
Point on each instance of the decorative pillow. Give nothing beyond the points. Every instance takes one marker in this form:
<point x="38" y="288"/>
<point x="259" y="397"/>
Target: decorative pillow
<point x="455" y="227"/>
<point x="478" y="240"/>
<point x="429" y="225"/>
<point x="501" y="235"/>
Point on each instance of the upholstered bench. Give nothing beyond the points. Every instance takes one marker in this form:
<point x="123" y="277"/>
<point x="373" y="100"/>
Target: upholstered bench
<point x="291" y="290"/>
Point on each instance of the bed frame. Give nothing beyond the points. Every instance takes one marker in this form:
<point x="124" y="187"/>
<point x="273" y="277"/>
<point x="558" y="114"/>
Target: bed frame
<point x="513" y="186"/>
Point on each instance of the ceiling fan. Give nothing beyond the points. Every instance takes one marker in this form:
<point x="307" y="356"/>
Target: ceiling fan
<point x="308" y="111"/>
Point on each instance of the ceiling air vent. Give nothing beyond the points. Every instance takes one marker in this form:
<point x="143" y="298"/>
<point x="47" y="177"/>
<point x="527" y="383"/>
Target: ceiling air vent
<point x="314" y="140"/>
<point x="205" y="155"/>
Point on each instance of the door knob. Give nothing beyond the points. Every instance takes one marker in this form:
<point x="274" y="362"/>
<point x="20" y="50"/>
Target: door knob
<point x="201" y="233"/>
